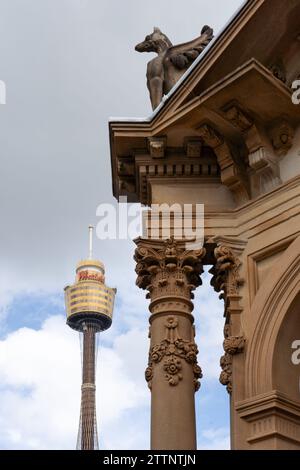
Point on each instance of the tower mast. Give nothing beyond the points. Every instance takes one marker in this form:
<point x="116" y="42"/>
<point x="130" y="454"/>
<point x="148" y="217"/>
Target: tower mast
<point x="91" y="228"/>
<point x="89" y="307"/>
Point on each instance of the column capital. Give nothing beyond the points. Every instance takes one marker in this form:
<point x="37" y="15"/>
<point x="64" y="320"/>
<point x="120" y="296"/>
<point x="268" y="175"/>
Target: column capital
<point x="167" y="268"/>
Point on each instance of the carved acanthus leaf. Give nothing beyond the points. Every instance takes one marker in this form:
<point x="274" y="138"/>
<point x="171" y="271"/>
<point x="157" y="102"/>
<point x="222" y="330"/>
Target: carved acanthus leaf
<point x="226" y="272"/>
<point x="210" y="136"/>
<point x="238" y="117"/>
<point x="234" y="344"/>
<point x="165" y="262"/>
<point x="226" y="374"/>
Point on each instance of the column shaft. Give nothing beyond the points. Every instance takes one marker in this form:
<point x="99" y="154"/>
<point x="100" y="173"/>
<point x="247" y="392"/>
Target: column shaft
<point x="173" y="424"/>
<point x="170" y="272"/>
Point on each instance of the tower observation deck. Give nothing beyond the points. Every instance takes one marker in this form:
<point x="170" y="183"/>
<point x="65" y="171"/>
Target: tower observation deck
<point x="89" y="307"/>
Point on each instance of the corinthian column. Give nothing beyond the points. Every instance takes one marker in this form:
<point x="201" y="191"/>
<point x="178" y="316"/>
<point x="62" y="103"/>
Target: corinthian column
<point x="170" y="273"/>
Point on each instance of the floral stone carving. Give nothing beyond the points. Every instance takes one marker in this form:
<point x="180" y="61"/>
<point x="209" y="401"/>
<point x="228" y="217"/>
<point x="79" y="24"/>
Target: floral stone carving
<point x="226" y="278"/>
<point x="172" y="350"/>
<point x="232" y="345"/>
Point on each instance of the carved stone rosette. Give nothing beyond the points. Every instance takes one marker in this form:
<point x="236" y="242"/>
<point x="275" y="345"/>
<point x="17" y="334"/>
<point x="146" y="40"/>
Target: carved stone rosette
<point x="170" y="273"/>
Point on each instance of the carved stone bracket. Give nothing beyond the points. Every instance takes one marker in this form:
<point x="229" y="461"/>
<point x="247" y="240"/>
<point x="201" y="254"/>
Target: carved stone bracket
<point x="157" y="146"/>
<point x="171" y="351"/>
<point x="264" y="146"/>
<point x="127" y="186"/>
<point x="226" y="278"/>
<point x="233" y="170"/>
<point x="265" y="167"/>
<point x="126" y="174"/>
<point x="193" y="147"/>
<point x="232" y="345"/>
<point x="266" y="172"/>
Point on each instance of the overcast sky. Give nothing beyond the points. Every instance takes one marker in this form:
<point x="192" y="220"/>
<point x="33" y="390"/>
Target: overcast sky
<point x="68" y="66"/>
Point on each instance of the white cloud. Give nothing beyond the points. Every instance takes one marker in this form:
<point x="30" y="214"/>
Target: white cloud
<point x="40" y="381"/>
<point x="40" y="377"/>
<point x="215" y="438"/>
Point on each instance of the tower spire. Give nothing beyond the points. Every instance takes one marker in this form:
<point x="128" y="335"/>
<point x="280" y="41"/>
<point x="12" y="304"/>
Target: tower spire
<point x="91" y="229"/>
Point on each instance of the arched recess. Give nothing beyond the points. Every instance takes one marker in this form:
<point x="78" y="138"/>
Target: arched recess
<point x="286" y="367"/>
<point x="269" y="311"/>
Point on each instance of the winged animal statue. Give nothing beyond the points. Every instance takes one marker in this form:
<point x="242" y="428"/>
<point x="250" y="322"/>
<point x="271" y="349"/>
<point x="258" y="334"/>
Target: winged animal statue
<point x="164" y="71"/>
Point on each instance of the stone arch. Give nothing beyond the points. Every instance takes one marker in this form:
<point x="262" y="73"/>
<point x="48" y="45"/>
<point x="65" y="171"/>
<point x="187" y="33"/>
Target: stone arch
<point x="268" y="313"/>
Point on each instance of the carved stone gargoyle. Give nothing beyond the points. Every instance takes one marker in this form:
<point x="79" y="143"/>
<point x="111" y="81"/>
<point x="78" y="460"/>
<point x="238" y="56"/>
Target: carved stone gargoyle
<point x="164" y="71"/>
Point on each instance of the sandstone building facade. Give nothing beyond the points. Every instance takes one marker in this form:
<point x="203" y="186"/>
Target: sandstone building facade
<point x="226" y="136"/>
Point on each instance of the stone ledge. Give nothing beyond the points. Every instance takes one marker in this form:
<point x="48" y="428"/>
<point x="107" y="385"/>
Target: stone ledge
<point x="271" y="415"/>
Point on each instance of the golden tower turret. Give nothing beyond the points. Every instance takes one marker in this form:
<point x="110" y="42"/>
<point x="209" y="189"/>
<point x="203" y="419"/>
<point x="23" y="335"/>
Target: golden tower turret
<point x="89" y="307"/>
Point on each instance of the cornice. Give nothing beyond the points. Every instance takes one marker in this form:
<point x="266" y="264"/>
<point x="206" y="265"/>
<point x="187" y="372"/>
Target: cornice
<point x="249" y="408"/>
<point x="126" y="128"/>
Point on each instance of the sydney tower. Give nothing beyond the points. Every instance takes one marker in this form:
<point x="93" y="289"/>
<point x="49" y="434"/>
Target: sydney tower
<point x="89" y="307"/>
